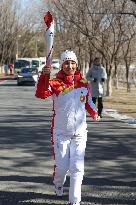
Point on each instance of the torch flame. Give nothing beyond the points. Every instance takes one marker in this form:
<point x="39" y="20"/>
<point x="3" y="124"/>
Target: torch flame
<point x="48" y="19"/>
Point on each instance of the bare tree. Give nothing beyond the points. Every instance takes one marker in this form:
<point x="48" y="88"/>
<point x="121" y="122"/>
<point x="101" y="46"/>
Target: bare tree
<point x="128" y="59"/>
<point x="8" y="29"/>
<point x="19" y="28"/>
<point x="101" y="24"/>
<point x="95" y="28"/>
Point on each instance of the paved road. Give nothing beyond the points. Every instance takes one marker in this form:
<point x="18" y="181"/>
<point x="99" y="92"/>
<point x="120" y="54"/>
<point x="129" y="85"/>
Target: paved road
<point x="26" y="161"/>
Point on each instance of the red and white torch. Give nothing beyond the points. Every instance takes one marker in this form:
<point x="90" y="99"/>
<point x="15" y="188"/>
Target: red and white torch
<point x="49" y="37"/>
<point x="49" y="21"/>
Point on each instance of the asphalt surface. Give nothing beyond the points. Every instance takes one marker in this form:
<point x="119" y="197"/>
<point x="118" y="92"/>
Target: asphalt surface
<point x="26" y="160"/>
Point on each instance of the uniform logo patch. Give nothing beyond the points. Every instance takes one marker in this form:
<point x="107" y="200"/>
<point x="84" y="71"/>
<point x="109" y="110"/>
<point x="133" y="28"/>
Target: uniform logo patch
<point x="82" y="96"/>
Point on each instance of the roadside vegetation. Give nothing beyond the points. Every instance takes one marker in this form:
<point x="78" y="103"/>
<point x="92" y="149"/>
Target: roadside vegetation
<point x="122" y="101"/>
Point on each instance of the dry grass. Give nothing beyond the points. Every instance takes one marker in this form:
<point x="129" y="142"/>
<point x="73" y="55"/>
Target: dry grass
<point x="122" y="101"/>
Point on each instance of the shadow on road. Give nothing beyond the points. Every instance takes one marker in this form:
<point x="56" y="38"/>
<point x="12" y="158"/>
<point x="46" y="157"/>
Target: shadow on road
<point x="15" y="85"/>
<point x="107" y="182"/>
<point x="25" y="145"/>
<point x="28" y="198"/>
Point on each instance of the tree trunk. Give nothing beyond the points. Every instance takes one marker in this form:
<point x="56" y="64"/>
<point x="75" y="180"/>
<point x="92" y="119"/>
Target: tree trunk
<point x="109" y="86"/>
<point x="128" y="86"/>
<point x="127" y="78"/>
<point x="116" y="82"/>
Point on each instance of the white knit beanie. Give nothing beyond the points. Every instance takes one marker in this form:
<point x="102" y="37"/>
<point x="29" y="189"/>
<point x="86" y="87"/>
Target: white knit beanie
<point x="68" y="55"/>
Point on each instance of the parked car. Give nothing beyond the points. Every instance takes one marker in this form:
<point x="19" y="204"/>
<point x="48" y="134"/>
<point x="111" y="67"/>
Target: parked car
<point x="55" y="64"/>
<point x="27" y="76"/>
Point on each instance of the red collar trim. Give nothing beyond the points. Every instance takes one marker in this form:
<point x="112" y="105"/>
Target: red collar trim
<point x="69" y="78"/>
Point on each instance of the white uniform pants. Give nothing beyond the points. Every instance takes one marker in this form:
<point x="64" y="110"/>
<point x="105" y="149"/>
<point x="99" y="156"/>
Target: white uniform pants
<point x="69" y="155"/>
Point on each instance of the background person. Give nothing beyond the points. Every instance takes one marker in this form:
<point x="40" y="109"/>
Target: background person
<point x="11" y="68"/>
<point x="5" y="69"/>
<point x="71" y="99"/>
<point x="96" y="77"/>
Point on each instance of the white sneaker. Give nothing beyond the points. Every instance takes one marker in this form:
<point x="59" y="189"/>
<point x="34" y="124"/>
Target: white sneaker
<point x="59" y="191"/>
<point x="73" y="204"/>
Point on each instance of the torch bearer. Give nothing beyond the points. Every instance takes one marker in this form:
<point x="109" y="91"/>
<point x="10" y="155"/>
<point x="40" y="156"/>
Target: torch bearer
<point x="49" y="34"/>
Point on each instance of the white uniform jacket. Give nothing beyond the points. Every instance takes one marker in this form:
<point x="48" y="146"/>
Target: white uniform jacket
<point x="71" y="99"/>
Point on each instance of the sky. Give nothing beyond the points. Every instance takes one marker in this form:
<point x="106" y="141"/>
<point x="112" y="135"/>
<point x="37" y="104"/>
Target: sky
<point x="28" y="4"/>
<point x="24" y="2"/>
<point x="36" y="4"/>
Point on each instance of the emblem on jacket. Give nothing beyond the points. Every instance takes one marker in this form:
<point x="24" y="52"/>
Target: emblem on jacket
<point x="82" y="97"/>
